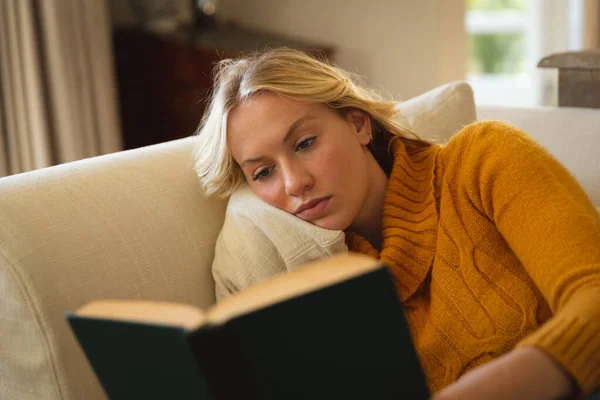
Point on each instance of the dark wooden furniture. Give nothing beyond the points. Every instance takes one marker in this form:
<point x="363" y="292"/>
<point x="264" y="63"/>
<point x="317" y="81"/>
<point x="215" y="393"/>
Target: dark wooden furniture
<point x="164" y="79"/>
<point x="578" y="77"/>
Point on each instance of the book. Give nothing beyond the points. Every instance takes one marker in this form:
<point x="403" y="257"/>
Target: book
<point x="333" y="329"/>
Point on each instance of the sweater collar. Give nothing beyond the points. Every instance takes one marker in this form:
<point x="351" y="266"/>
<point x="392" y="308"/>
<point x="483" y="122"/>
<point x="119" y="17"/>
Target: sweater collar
<point x="410" y="216"/>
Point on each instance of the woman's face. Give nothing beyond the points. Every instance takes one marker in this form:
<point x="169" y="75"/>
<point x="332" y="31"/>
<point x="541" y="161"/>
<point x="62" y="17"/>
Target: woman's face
<point x="305" y="159"/>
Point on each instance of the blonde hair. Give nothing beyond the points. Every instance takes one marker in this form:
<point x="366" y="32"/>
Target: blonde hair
<point x="291" y="74"/>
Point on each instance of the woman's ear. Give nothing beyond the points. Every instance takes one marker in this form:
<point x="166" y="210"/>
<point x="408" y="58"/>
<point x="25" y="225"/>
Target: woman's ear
<point x="361" y="122"/>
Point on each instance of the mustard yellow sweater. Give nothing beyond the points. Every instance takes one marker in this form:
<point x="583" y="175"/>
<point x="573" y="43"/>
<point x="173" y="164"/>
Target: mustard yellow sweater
<point x="493" y="245"/>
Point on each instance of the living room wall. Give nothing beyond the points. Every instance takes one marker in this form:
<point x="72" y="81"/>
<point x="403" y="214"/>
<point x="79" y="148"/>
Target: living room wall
<point x="404" y="46"/>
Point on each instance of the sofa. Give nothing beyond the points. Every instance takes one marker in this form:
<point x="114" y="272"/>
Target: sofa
<point x="136" y="225"/>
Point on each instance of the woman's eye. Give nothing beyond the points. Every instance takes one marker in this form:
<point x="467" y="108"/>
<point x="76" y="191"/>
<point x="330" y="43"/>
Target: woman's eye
<point x="305" y="144"/>
<point x="262" y="174"/>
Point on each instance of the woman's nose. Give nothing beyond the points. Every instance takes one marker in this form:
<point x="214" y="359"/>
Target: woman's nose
<point x="297" y="180"/>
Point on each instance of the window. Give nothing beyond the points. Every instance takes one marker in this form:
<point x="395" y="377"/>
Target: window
<point x="507" y="38"/>
<point x="498" y="45"/>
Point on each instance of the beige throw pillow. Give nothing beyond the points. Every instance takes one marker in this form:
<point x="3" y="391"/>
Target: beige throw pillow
<point x="259" y="241"/>
<point x="441" y="112"/>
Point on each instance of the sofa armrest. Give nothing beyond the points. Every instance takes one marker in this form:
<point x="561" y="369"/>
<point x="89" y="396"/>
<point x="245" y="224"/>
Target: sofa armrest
<point x="133" y="224"/>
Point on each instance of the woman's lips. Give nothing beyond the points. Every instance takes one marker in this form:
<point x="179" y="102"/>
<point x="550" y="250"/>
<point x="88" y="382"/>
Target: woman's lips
<point x="315" y="211"/>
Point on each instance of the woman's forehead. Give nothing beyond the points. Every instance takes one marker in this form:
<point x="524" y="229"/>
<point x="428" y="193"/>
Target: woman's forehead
<point x="269" y="104"/>
<point x="269" y="112"/>
<point x="265" y="120"/>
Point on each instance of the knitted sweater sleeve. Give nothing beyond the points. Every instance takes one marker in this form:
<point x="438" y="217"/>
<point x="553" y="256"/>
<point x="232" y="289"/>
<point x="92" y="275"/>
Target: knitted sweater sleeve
<point x="553" y="228"/>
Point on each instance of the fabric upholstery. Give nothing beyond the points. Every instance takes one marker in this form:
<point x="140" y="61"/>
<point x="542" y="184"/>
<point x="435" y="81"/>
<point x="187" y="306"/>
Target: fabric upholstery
<point x="130" y="225"/>
<point x="439" y="113"/>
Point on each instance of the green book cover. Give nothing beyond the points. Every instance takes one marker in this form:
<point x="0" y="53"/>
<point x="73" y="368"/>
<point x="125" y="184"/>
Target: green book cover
<point x="332" y="330"/>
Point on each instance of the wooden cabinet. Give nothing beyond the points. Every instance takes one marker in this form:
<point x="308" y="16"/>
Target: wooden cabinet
<point x="164" y="79"/>
<point x="578" y="77"/>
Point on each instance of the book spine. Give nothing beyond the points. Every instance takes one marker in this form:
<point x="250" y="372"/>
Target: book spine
<point x="221" y="357"/>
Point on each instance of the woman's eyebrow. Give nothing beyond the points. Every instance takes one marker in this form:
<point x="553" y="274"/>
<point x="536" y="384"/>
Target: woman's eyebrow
<point x="289" y="134"/>
<point x="251" y="160"/>
<point x="295" y="126"/>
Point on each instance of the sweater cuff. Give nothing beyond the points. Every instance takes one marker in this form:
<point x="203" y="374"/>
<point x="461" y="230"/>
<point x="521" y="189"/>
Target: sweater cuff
<point x="575" y="344"/>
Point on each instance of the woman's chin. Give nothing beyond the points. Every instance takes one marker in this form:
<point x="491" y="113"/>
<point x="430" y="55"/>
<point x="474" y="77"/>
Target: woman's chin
<point x="332" y="224"/>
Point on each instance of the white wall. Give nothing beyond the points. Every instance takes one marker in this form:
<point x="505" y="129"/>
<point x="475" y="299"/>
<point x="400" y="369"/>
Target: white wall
<point x="404" y="46"/>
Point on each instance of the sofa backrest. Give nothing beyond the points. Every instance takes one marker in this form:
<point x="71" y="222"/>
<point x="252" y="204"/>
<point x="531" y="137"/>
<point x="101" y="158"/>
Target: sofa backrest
<point x="572" y="135"/>
<point x="129" y="225"/>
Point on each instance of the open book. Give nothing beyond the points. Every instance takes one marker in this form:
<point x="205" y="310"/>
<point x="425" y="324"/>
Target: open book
<point x="334" y="329"/>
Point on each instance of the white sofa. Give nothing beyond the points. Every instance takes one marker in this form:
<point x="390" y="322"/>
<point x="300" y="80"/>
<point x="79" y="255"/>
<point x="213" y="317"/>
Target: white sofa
<point x="136" y="225"/>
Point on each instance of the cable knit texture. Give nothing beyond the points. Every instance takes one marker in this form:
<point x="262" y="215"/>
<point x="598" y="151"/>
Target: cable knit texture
<point x="493" y="245"/>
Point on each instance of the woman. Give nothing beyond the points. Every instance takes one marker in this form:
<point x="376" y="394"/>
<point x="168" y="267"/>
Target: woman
<point x="493" y="245"/>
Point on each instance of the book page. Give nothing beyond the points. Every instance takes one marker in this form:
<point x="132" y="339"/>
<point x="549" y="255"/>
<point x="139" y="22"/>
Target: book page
<point x="308" y="278"/>
<point x="150" y="312"/>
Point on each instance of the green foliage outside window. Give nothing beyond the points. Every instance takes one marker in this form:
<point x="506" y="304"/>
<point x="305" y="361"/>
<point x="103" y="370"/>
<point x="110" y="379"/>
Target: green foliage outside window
<point x="495" y="5"/>
<point x="496" y="53"/>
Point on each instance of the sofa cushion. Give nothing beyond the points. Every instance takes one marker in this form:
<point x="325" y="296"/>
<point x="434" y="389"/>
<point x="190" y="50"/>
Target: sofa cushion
<point x="259" y="241"/>
<point x="441" y="112"/>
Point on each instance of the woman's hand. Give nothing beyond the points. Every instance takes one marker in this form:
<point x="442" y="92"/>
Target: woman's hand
<point x="524" y="373"/>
